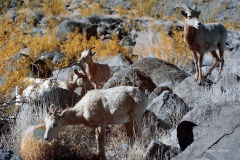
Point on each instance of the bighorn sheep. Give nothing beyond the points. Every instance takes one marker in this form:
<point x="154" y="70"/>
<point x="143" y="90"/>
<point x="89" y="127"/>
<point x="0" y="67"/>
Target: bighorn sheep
<point x="97" y="73"/>
<point x="202" y="38"/>
<point x="75" y="80"/>
<point x="38" y="85"/>
<point x="99" y="108"/>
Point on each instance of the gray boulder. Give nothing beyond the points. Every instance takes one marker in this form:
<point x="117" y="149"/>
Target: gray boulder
<point x="6" y="154"/>
<point x="225" y="89"/>
<point x="55" y="57"/>
<point x="157" y="91"/>
<point x="59" y="97"/>
<point x="159" y="71"/>
<point x="159" y="151"/>
<point x="217" y="133"/>
<point x="117" y="62"/>
<point x="130" y="77"/>
<point x="169" y="107"/>
<point x="69" y="26"/>
<point x="189" y="91"/>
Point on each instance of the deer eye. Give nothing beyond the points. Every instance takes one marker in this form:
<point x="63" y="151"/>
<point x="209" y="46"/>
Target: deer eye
<point x="54" y="125"/>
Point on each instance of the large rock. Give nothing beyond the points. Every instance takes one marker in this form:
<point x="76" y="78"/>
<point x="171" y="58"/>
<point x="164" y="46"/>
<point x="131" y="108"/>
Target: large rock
<point x="169" y="108"/>
<point x="159" y="71"/>
<point x="217" y="133"/>
<point x="130" y="77"/>
<point x="118" y="60"/>
<point x="59" y="97"/>
<point x="70" y="26"/>
<point x="157" y="150"/>
<point x="55" y="57"/>
<point x="226" y="88"/>
<point x="157" y="92"/>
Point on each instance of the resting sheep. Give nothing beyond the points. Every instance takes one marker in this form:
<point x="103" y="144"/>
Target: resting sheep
<point x="97" y="73"/>
<point x="75" y="80"/>
<point x="202" y="38"/>
<point x="39" y="85"/>
<point x="99" y="108"/>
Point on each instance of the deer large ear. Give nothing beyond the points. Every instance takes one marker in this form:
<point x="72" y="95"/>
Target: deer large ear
<point x="48" y="109"/>
<point x="63" y="114"/>
<point x="79" y="74"/>
<point x="194" y="7"/>
<point x="198" y="12"/>
<point x="184" y="13"/>
<point x="93" y="53"/>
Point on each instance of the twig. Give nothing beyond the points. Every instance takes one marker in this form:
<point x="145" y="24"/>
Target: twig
<point x="5" y="43"/>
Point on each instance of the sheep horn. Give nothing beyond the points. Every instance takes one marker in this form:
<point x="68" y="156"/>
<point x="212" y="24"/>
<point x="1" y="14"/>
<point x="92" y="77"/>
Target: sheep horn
<point x="49" y="109"/>
<point x="91" y="48"/>
<point x="184" y="6"/>
<point x="55" y="111"/>
<point x="194" y="7"/>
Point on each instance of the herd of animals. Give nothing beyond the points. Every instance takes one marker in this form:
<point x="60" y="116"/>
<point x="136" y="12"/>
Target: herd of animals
<point x="127" y="104"/>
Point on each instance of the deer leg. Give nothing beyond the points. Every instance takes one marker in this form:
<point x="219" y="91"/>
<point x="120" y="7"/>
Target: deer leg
<point x="94" y="85"/>
<point x="195" y="58"/>
<point x="101" y="131"/>
<point x="200" y="68"/>
<point x="215" y="59"/>
<point x="221" y="51"/>
<point x="129" y="129"/>
<point x="137" y="125"/>
<point x="132" y="129"/>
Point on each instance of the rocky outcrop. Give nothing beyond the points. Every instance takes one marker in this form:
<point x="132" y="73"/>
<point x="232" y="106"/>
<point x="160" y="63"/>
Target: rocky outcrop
<point x="169" y="108"/>
<point x="161" y="72"/>
<point x="59" y="97"/>
<point x="194" y="95"/>
<point x="157" y="150"/>
<point x="217" y="133"/>
<point x="130" y="77"/>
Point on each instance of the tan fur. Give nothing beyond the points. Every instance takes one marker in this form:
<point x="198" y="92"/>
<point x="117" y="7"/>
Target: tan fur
<point x="96" y="72"/>
<point x="202" y="38"/>
<point x="99" y="108"/>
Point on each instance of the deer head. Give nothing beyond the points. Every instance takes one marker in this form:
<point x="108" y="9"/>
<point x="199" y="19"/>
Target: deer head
<point x="87" y="54"/>
<point x="191" y="15"/>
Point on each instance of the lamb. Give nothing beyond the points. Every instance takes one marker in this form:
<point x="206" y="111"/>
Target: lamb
<point x="99" y="108"/>
<point x="75" y="80"/>
<point x="97" y="73"/>
<point x="39" y="85"/>
<point x="202" y="38"/>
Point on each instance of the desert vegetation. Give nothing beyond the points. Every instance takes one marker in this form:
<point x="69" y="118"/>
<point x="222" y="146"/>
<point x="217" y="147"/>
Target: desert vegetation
<point x="50" y="35"/>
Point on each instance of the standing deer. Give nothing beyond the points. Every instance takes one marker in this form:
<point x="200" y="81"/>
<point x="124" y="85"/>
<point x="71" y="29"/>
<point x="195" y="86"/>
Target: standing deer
<point x="97" y="73"/>
<point x="202" y="38"/>
<point x="99" y="108"/>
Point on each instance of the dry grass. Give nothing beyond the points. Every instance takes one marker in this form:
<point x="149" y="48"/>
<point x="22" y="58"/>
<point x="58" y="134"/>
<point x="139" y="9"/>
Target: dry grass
<point x="91" y="10"/>
<point x="155" y="42"/>
<point x="53" y="7"/>
<point x="76" y="43"/>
